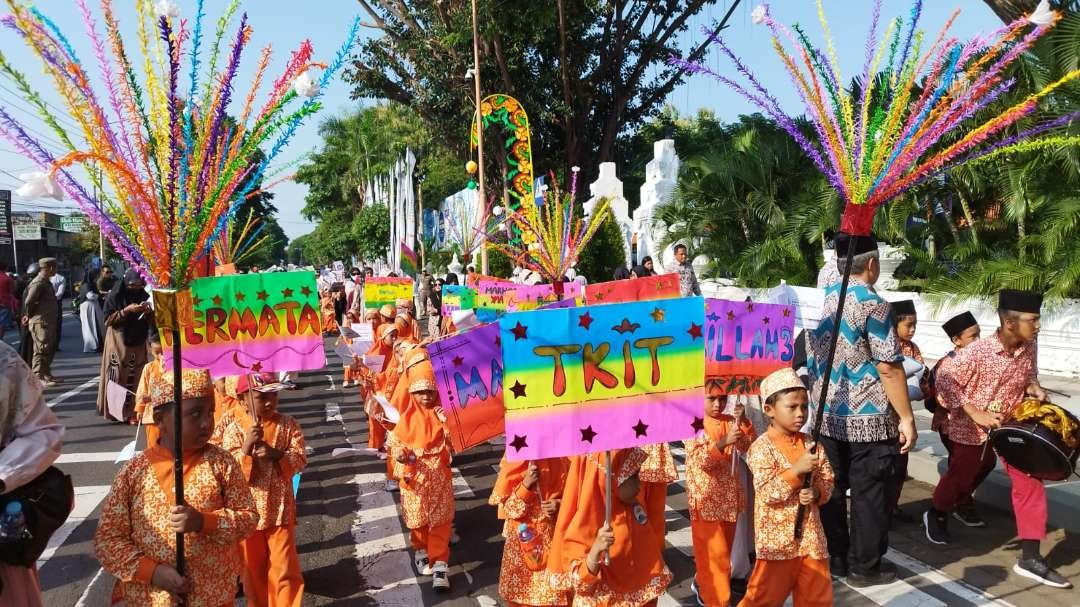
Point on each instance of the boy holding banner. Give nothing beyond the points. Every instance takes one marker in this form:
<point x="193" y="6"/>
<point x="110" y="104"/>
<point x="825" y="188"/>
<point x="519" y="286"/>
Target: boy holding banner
<point x="715" y="495"/>
<point x="419" y="446"/>
<point x="779" y="460"/>
<point x="270" y="449"/>
<point x="136" y="535"/>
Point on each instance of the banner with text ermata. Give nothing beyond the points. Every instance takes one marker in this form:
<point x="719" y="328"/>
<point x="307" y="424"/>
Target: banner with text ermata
<point x="587" y="379"/>
<point x="248" y="323"/>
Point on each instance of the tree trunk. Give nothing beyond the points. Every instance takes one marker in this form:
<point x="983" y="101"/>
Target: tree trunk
<point x="969" y="217"/>
<point x="1010" y="10"/>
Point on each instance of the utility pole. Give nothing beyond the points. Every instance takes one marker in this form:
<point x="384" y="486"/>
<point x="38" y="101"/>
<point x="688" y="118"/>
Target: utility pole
<point x="479" y="139"/>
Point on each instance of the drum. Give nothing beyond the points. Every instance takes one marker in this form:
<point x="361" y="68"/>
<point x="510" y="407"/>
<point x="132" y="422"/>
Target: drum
<point x="1041" y="439"/>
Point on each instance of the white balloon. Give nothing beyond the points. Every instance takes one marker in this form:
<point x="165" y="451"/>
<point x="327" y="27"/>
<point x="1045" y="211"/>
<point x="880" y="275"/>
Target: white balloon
<point x="39" y="185"/>
<point x="305" y="85"/>
<point x="167" y="8"/>
<point x="1042" y="15"/>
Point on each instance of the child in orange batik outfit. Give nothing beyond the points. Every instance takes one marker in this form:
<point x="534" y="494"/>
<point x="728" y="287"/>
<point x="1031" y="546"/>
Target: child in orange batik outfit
<point x="136" y="535"/>
<point x="655" y="474"/>
<point x="637" y="574"/>
<point x="715" y="495"/>
<point x="270" y="450"/>
<point x="418" y="445"/>
<point x="151" y="374"/>
<point x="528" y="493"/>
<point x="779" y="460"/>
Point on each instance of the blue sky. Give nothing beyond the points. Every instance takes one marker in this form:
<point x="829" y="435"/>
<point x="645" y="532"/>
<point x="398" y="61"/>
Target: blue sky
<point x="325" y="22"/>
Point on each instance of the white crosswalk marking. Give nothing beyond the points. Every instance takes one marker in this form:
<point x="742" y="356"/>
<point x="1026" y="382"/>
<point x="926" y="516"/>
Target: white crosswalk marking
<point x="964" y="591"/>
<point x="461" y="486"/>
<point x="72" y="392"/>
<point x="81" y="458"/>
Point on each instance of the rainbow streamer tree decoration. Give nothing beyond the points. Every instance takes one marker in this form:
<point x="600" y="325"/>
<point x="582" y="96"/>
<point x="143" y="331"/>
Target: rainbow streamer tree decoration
<point x="239" y="241"/>
<point x="168" y="160"/>
<point x="876" y="141"/>
<point x="169" y="156"/>
<point x="552" y="233"/>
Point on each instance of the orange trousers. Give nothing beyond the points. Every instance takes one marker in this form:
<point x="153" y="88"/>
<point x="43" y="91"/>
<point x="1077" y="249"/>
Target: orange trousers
<point x="806" y="579"/>
<point x="654" y="500"/>
<point x="712" y="555"/>
<point x="376" y="434"/>
<point x="434" y="540"/>
<point x="272" y="575"/>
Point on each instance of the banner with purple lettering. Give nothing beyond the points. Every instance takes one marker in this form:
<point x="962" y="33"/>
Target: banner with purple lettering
<point x="745" y="341"/>
<point x="491" y="299"/>
<point x="469" y="370"/>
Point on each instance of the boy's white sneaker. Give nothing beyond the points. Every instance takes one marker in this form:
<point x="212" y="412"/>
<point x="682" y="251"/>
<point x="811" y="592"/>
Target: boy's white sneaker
<point x="423" y="567"/>
<point x="440" y="577"/>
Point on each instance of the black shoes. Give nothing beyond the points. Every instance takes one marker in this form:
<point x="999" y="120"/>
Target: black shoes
<point x="1037" y="569"/>
<point x="969" y="518"/>
<point x="875" y="578"/>
<point x="937" y="530"/>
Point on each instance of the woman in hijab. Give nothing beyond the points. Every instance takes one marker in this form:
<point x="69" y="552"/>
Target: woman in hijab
<point x="621" y="273"/>
<point x="90" y="314"/>
<point x="639" y="272"/>
<point x="128" y="319"/>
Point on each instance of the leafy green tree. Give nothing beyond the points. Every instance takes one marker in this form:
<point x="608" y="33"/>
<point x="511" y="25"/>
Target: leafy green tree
<point x="603" y="254"/>
<point x="371" y="229"/>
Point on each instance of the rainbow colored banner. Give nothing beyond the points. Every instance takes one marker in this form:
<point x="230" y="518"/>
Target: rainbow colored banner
<point x="409" y="261"/>
<point x="469" y="372"/>
<point x="457" y="297"/>
<point x="745" y="341"/>
<point x="380" y="291"/>
<point x="664" y="286"/>
<point x="580" y="380"/>
<point x="248" y="323"/>
<point x="491" y="299"/>
<point x="523" y="298"/>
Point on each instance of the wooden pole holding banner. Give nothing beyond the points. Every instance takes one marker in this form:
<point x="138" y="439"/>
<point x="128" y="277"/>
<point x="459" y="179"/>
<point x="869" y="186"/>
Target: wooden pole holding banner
<point x="178" y="440"/>
<point x="607" y="500"/>
<point x="800" y="514"/>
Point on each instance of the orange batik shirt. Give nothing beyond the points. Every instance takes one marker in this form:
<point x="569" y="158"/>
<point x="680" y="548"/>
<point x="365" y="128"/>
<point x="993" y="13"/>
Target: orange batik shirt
<point x="517" y="504"/>
<point x="271" y="482"/>
<point x="713" y="492"/>
<point x="776" y="498"/>
<point x="133" y="534"/>
<point x="659" y="466"/>
<point x="427" y="486"/>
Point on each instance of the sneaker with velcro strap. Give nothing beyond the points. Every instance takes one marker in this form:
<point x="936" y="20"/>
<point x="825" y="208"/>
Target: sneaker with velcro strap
<point x="423" y="567"/>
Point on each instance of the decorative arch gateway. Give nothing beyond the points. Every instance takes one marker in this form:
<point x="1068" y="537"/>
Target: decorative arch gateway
<point x="506" y="112"/>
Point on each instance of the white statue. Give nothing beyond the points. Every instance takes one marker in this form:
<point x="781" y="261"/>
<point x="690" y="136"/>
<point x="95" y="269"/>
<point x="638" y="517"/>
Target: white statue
<point x="608" y="185"/>
<point x="661" y="175"/>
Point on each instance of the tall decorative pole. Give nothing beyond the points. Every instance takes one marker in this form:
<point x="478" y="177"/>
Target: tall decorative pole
<point x="479" y="137"/>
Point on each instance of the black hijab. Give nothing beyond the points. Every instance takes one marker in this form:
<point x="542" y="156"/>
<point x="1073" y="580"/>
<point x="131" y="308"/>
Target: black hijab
<point x="135" y="330"/>
<point x="621" y="273"/>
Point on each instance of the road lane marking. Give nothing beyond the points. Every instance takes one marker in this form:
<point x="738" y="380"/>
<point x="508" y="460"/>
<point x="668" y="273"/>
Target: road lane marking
<point x="72" y="392"/>
<point x="959" y="588"/>
<point x="85" y="458"/>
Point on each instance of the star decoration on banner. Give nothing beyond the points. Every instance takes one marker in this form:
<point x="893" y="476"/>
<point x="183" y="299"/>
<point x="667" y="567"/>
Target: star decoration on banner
<point x="765" y="320"/>
<point x="286" y="292"/>
<point x="730" y="315"/>
<point x="262" y="295"/>
<point x="305" y="291"/>
<point x="713" y="317"/>
<point x="256" y="367"/>
<point x="239" y="296"/>
<point x="518" y="389"/>
<point x="196" y="301"/>
<point x="641" y="429"/>
<point x="626" y="327"/>
<point x="520" y="331"/>
<point x="698" y="424"/>
<point x="584" y="321"/>
<point x="599" y="296"/>
<point x="657" y="314"/>
<point x="694" y="330"/>
<point x="216" y="299"/>
<point x="518" y="443"/>
<point x="458" y="360"/>
<point x="588" y="434"/>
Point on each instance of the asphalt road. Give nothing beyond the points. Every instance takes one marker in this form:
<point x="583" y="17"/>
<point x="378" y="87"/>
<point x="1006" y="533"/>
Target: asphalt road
<point x="352" y="545"/>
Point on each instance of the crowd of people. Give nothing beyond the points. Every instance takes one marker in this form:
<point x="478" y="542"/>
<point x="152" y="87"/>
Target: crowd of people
<point x="754" y="474"/>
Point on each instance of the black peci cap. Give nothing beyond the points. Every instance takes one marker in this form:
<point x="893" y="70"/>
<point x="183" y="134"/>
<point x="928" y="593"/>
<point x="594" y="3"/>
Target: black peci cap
<point x="958" y="324"/>
<point x="904" y="307"/>
<point x="861" y="244"/>
<point x="1020" y="301"/>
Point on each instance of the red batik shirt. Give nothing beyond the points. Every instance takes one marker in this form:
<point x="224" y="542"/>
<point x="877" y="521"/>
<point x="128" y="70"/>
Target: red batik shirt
<point x="986" y="376"/>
